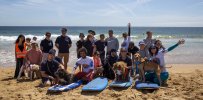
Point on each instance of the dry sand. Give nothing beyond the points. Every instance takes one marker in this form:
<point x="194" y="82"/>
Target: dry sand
<point x="185" y="82"/>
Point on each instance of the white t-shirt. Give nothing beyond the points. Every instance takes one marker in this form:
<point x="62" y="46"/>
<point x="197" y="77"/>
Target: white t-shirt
<point x="88" y="60"/>
<point x="160" y="56"/>
<point x="126" y="42"/>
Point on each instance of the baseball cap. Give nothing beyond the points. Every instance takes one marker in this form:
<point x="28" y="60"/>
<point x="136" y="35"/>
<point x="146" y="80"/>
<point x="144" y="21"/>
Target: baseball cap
<point x="52" y="51"/>
<point x="141" y="42"/>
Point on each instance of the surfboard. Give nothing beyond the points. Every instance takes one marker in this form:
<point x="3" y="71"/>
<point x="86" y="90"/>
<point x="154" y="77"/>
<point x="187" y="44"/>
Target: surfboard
<point x="97" y="84"/>
<point x="62" y="88"/>
<point x="141" y="85"/>
<point x="121" y="84"/>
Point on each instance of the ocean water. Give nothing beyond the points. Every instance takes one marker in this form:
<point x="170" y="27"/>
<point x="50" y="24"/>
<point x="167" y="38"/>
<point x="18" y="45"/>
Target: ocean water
<point x="189" y="53"/>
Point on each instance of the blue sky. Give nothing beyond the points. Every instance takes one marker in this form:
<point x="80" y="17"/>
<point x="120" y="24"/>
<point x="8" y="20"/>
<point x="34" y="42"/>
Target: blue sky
<point x="178" y="13"/>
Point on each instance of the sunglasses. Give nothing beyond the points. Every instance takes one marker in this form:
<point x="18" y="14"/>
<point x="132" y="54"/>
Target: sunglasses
<point x="123" y="51"/>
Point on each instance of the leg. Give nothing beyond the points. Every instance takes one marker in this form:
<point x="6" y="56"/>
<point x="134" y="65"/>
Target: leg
<point x="66" y="58"/>
<point x="44" y="56"/>
<point x="19" y="63"/>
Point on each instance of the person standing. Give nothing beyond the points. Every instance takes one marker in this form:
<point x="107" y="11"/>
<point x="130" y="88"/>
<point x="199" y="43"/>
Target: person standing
<point x="46" y="45"/>
<point x="80" y="43"/>
<point x="126" y="38"/>
<point x="148" y="41"/>
<point x="20" y="52"/>
<point x="63" y="43"/>
<point x="112" y="42"/>
<point x="88" y="44"/>
<point x="100" y="47"/>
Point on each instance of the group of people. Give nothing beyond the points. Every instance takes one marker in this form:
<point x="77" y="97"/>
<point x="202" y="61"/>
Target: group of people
<point x="93" y="59"/>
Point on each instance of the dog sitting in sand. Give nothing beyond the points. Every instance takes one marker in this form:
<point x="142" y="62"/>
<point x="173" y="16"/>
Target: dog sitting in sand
<point x="146" y="65"/>
<point x="121" y="70"/>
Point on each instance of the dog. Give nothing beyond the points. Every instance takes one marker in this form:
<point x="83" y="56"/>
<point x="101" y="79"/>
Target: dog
<point x="63" y="77"/>
<point x="121" y="70"/>
<point x="29" y="69"/>
<point x="146" y="65"/>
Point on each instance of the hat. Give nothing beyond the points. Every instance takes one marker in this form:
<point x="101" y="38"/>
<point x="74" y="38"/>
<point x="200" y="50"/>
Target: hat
<point x="52" y="51"/>
<point x="141" y="42"/>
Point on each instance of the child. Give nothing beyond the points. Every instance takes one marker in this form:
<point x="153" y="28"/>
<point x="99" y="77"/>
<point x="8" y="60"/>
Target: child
<point x="98" y="69"/>
<point x="28" y="44"/>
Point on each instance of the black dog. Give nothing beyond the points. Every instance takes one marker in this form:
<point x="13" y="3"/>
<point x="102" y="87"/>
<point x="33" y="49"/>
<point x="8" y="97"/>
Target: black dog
<point x="64" y="77"/>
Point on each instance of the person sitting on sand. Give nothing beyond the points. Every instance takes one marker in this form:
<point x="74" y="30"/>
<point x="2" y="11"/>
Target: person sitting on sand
<point x="160" y="55"/>
<point x="34" y="58"/>
<point x="98" y="68"/>
<point x="86" y="65"/>
<point x="123" y="57"/>
<point x="48" y="69"/>
<point x="108" y="64"/>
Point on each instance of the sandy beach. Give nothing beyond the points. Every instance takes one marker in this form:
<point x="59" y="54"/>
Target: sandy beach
<point x="185" y="82"/>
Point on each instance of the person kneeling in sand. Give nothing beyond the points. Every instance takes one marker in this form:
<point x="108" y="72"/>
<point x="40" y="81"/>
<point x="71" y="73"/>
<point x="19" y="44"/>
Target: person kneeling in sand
<point x="86" y="65"/>
<point x="50" y="68"/>
<point x="32" y="61"/>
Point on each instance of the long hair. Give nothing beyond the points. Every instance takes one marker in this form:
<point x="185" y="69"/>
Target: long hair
<point x="150" y="52"/>
<point x="161" y="44"/>
<point x="18" y="39"/>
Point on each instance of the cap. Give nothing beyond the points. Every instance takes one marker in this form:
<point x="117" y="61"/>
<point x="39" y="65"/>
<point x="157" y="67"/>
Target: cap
<point x="52" y="51"/>
<point x="141" y="42"/>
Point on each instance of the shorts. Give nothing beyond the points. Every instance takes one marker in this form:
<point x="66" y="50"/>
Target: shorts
<point x="152" y="77"/>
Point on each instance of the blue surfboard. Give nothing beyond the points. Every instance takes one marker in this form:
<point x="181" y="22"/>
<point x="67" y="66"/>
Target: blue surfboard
<point x="141" y="85"/>
<point x="97" y="84"/>
<point x="62" y="88"/>
<point x="121" y="84"/>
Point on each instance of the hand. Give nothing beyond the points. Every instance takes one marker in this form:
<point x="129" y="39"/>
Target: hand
<point x="85" y="65"/>
<point x="181" y="41"/>
<point x="129" y="24"/>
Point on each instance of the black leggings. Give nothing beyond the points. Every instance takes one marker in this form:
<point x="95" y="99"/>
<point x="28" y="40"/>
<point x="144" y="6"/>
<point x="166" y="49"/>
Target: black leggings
<point x="19" y="63"/>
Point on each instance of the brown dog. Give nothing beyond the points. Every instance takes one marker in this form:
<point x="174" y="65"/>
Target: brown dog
<point x="147" y="66"/>
<point x="121" y="70"/>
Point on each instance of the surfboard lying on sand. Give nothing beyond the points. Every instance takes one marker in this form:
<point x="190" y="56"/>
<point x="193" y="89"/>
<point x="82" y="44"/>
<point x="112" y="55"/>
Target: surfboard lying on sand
<point x="141" y="85"/>
<point x="121" y="84"/>
<point x="62" y="88"/>
<point x="97" y="84"/>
